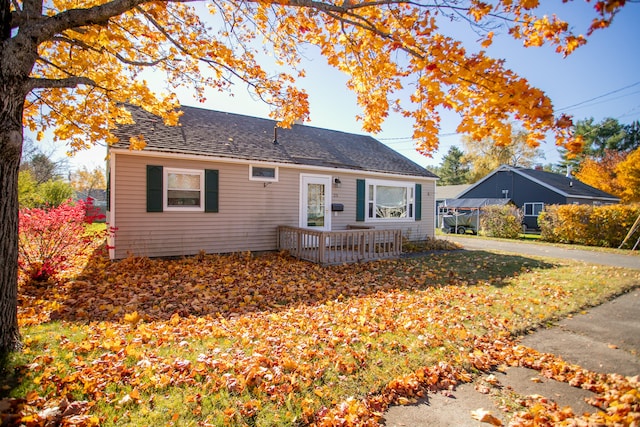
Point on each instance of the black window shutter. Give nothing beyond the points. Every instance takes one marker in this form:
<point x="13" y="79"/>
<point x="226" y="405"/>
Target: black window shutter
<point x="418" y="198"/>
<point x="154" y="188"/>
<point x="210" y="190"/>
<point x="360" y="201"/>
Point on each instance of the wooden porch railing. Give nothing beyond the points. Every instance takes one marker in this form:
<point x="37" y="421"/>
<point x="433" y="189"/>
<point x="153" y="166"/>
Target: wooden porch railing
<point x="338" y="247"/>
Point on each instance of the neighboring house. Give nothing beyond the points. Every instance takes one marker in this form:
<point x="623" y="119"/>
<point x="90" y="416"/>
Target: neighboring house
<point x="532" y="189"/>
<point x="444" y="192"/>
<point x="98" y="198"/>
<point x="224" y="182"/>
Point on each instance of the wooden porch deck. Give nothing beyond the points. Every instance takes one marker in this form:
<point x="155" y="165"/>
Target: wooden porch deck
<point x="339" y="247"/>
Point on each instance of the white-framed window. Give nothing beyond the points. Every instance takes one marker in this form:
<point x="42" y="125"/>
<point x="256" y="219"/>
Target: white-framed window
<point x="183" y="189"/>
<point x="389" y="200"/>
<point x="263" y="173"/>
<point x="533" y="209"/>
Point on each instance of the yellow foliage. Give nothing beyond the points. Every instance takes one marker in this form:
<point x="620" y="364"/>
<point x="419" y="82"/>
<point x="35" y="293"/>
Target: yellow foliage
<point x="132" y="318"/>
<point x="137" y="142"/>
<point x="383" y="47"/>
<point x="604" y="173"/>
<point x="628" y="175"/>
<point x="604" y="226"/>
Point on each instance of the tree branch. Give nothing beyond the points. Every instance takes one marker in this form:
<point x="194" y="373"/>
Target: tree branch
<point x="96" y="15"/>
<point x="138" y="63"/>
<point x="6" y="18"/>
<point x="356" y="20"/>
<point x="69" y="82"/>
<point x="59" y="113"/>
<point x="74" y="18"/>
<point x="182" y="49"/>
<point x="121" y="58"/>
<point x="32" y="8"/>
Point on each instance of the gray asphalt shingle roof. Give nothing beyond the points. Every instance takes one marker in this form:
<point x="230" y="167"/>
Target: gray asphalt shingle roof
<point x="450" y="191"/>
<point x="219" y="134"/>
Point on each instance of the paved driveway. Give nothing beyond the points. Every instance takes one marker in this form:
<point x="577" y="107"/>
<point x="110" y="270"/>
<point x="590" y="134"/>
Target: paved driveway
<point x="545" y="250"/>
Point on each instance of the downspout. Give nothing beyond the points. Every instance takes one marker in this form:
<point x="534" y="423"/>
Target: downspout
<point x="111" y="214"/>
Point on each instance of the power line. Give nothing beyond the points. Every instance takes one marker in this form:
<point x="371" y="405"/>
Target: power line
<point x="599" y="96"/>
<point x="629" y="112"/>
<point x="403" y="139"/>
<point x="608" y="100"/>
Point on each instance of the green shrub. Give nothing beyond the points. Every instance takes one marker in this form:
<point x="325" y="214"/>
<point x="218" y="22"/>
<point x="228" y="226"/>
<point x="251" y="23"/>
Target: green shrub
<point x="605" y="226"/>
<point x="50" y="193"/>
<point x="501" y="221"/>
<point x="55" y="192"/>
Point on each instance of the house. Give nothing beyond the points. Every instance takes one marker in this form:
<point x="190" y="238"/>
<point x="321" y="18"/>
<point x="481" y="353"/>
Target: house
<point x="98" y="199"/>
<point x="224" y="183"/>
<point x="444" y="192"/>
<point x="532" y="189"/>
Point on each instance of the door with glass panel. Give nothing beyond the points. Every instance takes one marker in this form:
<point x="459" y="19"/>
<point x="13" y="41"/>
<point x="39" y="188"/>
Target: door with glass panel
<point x="315" y="202"/>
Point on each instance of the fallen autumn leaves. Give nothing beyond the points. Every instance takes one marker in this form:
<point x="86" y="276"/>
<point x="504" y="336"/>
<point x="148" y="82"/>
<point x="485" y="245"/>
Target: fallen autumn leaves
<point x="269" y="340"/>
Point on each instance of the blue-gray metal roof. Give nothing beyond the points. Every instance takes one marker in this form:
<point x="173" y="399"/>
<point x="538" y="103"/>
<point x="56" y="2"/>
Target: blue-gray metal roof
<point x="475" y="203"/>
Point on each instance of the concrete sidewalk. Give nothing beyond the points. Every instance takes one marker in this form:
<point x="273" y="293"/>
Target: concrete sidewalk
<point x="605" y="339"/>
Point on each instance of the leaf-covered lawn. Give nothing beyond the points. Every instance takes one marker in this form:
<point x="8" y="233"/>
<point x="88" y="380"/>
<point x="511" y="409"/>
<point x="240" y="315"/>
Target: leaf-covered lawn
<point x="270" y="340"/>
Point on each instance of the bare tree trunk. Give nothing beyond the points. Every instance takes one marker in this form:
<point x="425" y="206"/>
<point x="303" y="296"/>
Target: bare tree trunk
<point x="18" y="53"/>
<point x="11" y="105"/>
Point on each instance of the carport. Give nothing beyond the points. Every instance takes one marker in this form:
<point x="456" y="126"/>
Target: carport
<point x="464" y="214"/>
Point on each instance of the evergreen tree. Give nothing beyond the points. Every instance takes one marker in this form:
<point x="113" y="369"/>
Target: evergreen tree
<point x="454" y="169"/>
<point x="608" y="135"/>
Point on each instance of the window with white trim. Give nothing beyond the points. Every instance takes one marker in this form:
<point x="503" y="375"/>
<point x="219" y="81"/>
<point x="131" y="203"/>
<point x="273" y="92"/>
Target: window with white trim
<point x="263" y="173"/>
<point x="533" y="209"/>
<point x="184" y="189"/>
<point x="390" y="200"/>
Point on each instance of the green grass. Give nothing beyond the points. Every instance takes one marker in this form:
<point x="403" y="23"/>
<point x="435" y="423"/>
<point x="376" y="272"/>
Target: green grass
<point x="96" y="227"/>
<point x="530" y="237"/>
<point x="337" y="333"/>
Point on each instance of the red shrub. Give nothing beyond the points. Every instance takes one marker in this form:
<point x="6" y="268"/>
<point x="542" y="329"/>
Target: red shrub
<point x="50" y="239"/>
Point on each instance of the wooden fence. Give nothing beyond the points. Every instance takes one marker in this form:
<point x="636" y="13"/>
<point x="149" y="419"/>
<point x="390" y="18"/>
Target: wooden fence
<point x="338" y="247"/>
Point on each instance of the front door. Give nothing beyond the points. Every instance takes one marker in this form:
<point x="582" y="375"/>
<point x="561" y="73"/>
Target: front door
<point x="315" y="202"/>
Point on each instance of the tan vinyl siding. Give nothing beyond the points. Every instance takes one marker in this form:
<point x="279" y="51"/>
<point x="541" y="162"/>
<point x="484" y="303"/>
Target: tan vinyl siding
<point x="249" y="211"/>
<point x="247" y="219"/>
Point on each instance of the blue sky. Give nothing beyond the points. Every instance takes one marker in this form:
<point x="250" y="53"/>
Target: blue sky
<point x="599" y="80"/>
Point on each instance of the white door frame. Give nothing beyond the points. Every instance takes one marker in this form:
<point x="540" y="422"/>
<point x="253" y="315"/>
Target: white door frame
<point x="305" y="180"/>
